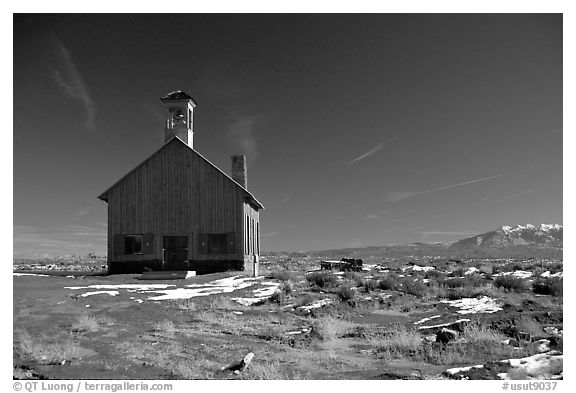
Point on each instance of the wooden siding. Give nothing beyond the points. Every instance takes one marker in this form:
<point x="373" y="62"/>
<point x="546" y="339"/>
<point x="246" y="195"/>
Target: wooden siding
<point x="176" y="192"/>
<point x="251" y="232"/>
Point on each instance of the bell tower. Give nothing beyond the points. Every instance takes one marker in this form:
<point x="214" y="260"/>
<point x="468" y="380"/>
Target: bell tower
<point x="179" y="117"/>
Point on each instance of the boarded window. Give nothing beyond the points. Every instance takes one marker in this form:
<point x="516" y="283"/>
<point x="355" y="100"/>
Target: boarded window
<point x="132" y="244"/>
<point x="231" y="242"/>
<point x="217" y="243"/>
<point x="202" y="243"/>
<point x="148" y="248"/>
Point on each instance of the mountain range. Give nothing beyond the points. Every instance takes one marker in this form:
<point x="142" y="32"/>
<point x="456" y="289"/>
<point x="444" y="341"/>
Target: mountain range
<point x="520" y="241"/>
<point x="542" y="236"/>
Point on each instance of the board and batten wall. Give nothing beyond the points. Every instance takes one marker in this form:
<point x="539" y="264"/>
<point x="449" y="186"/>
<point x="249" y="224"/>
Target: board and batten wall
<point x="176" y="192"/>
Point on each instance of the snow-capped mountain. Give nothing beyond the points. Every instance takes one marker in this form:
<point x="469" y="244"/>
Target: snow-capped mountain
<point x="543" y="235"/>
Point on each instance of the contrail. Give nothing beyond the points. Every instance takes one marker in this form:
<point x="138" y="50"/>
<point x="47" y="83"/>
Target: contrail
<point x="71" y="81"/>
<point x="371" y="151"/>
<point x="398" y="196"/>
<point x="460" y="184"/>
<point x="512" y="196"/>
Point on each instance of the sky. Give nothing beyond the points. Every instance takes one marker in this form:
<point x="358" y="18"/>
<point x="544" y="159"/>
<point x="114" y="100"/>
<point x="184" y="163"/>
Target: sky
<point x="359" y="129"/>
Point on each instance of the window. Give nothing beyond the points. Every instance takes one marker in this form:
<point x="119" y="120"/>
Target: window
<point x="217" y="243"/>
<point x="132" y="244"/>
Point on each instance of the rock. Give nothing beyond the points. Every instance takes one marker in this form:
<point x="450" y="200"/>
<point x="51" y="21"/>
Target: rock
<point x="239" y="367"/>
<point x="446" y="335"/>
<point x="513" y="343"/>
<point x="431" y="338"/>
<point x="542" y="345"/>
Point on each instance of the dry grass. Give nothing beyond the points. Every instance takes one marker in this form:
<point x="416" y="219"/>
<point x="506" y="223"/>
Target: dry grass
<point x="322" y="279"/>
<point x="284" y="275"/>
<point x="165" y="326"/>
<point x="529" y="325"/>
<point x="86" y="323"/>
<point x="475" y="332"/>
<point x="330" y="329"/>
<point x="271" y="370"/>
<point x="398" y="343"/>
<point x="44" y="352"/>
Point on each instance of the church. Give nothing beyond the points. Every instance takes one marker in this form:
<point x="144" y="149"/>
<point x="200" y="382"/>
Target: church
<point x="178" y="211"/>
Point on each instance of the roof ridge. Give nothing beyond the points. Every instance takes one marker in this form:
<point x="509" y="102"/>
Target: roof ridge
<point x="104" y="197"/>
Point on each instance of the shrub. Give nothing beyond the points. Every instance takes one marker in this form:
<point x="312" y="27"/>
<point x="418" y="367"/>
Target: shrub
<point x="555" y="267"/>
<point x="329" y="328"/>
<point x="322" y="279"/>
<point x="400" y="342"/>
<point x="166" y="326"/>
<point x="370" y="285"/>
<point x="284" y="275"/>
<point x="47" y="353"/>
<point x="433" y="274"/>
<point x="415" y="288"/>
<point x="476" y="332"/>
<point x="346" y="293"/>
<point x="387" y="282"/>
<point x="286" y="288"/>
<point x="460" y="272"/>
<point x="511" y="283"/>
<point x="278" y="297"/>
<point x="548" y="286"/>
<point x="85" y="323"/>
<point x="352" y="276"/>
<point x="305" y="300"/>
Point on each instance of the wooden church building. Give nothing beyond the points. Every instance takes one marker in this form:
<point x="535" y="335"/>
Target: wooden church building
<point x="178" y="211"/>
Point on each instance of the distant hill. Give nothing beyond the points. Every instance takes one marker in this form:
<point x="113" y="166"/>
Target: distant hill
<point x="529" y="236"/>
<point x="529" y="241"/>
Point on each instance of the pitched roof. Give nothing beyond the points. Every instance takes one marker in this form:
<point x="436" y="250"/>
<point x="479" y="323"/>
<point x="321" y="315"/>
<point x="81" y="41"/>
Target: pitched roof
<point x="175" y="139"/>
<point x="178" y="95"/>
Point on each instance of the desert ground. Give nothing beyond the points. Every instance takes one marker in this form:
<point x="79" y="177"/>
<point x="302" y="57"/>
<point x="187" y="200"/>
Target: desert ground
<point x="423" y="318"/>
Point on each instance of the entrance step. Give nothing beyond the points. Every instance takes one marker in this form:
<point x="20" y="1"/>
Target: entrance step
<point x="167" y="275"/>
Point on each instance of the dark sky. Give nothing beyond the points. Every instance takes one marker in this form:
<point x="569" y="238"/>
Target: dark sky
<point x="359" y="129"/>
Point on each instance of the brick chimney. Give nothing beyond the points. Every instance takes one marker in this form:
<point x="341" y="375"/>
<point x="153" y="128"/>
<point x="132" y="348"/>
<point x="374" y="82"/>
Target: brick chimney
<point x="239" y="170"/>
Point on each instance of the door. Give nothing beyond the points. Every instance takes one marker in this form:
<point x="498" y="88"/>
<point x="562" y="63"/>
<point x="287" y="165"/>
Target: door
<point x="175" y="251"/>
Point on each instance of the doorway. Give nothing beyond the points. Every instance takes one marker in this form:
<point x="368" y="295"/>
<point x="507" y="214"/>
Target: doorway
<point x="175" y="252"/>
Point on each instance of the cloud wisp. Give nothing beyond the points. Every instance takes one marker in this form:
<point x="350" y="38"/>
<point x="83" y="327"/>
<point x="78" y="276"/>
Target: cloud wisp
<point x="398" y="196"/>
<point x="70" y="80"/>
<point x="371" y="151"/>
<point x="83" y="211"/>
<point x="241" y="135"/>
<point x="512" y="196"/>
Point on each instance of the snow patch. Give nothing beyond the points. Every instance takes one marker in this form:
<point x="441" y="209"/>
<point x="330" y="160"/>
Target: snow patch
<point x="30" y="274"/>
<point x="316" y="304"/>
<point x="111" y="293"/>
<point x="456" y="370"/>
<point x="138" y="287"/>
<point x="417" y="268"/>
<point x="533" y="365"/>
<point x="547" y="274"/>
<point x="260" y="294"/>
<point x="426" y="319"/>
<point x="444" y="324"/>
<point x="471" y="270"/>
<point x="469" y="305"/>
<point x="516" y="273"/>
